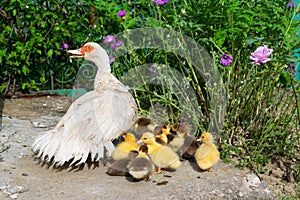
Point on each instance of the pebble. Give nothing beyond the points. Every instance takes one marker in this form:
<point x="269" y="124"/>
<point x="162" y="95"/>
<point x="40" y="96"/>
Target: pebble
<point x="253" y="180"/>
<point x="240" y="194"/>
<point x="14" y="196"/>
<point x="38" y="125"/>
<point x="229" y="191"/>
<point x="13" y="190"/>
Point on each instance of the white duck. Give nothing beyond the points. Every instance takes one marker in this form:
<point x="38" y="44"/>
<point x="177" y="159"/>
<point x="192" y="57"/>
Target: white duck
<point x="93" y="120"/>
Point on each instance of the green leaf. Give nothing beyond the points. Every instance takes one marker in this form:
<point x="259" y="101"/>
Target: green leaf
<point x="50" y="52"/>
<point x="25" y="69"/>
<point x="220" y="38"/>
<point x="284" y="78"/>
<point x="24" y="85"/>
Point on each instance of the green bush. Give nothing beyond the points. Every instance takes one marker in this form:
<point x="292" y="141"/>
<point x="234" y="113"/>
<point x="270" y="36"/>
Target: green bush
<point x="263" y="109"/>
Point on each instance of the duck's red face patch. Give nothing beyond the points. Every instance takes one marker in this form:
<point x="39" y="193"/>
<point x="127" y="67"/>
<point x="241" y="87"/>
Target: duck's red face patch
<point x="87" y="48"/>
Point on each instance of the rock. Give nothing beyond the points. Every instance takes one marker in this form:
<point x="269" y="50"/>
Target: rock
<point x="240" y="194"/>
<point x="14" y="196"/>
<point x="12" y="190"/>
<point x="45" y="122"/>
<point x="19" y="168"/>
<point x="253" y="180"/>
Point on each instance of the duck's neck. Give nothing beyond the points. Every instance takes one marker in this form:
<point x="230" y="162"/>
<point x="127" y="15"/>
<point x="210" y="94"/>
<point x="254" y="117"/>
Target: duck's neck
<point x="103" y="67"/>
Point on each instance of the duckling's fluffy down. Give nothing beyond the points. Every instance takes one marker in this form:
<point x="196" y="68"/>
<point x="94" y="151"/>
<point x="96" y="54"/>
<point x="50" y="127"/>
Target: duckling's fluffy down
<point x="140" y="167"/>
<point x="165" y="157"/>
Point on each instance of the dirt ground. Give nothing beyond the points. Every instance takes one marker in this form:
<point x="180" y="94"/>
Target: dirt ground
<point x="22" y="177"/>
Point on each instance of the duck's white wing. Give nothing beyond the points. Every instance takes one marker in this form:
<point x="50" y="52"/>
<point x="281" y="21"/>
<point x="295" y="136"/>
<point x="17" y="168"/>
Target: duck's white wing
<point x="89" y="125"/>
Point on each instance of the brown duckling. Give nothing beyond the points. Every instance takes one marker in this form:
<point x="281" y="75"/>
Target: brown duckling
<point x="119" y="167"/>
<point x="142" y="125"/>
<point x="141" y="166"/>
<point x="190" y="144"/>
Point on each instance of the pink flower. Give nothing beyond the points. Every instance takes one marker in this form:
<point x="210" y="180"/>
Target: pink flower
<point x="116" y="45"/>
<point x="260" y="55"/>
<point x="226" y="59"/>
<point x="64" y="46"/>
<point x="122" y="13"/>
<point x="160" y="2"/>
<point x="291" y="4"/>
<point x="111" y="59"/>
<point x="109" y="39"/>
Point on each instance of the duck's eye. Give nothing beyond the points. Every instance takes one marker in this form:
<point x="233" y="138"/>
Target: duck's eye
<point x="202" y="136"/>
<point x="144" y="138"/>
<point x="89" y="48"/>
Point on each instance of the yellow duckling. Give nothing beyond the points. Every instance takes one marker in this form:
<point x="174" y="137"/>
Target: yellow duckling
<point x="141" y="166"/>
<point x="161" y="155"/>
<point x="161" y="138"/>
<point x="125" y="147"/>
<point x="207" y="154"/>
<point x="175" y="139"/>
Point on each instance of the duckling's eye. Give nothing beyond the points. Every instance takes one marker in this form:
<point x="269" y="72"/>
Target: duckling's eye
<point x="144" y="138"/>
<point x="202" y="136"/>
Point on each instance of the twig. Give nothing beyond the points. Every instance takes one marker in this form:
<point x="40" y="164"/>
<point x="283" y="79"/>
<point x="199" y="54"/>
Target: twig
<point x="50" y="29"/>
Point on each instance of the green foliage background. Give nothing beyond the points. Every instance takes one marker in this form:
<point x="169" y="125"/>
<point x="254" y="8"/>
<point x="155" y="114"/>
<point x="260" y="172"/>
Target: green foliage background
<point x="262" y="119"/>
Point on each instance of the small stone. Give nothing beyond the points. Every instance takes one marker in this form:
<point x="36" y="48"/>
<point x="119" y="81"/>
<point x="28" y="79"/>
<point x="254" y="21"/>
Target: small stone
<point x="229" y="191"/>
<point x="253" y="180"/>
<point x="39" y="125"/>
<point x="24" y="174"/>
<point x="14" y="196"/>
<point x="240" y="194"/>
<point x="11" y="190"/>
<point x="2" y="187"/>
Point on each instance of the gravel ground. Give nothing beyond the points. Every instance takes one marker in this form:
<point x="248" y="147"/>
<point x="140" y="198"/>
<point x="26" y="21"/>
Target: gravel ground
<point x="22" y="177"/>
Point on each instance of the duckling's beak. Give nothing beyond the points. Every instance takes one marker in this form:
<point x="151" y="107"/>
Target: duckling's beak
<point x="139" y="142"/>
<point x="76" y="53"/>
<point x="199" y="140"/>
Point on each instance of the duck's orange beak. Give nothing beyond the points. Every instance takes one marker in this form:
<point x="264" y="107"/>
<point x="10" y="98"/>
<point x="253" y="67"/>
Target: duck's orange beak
<point x="76" y="53"/>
